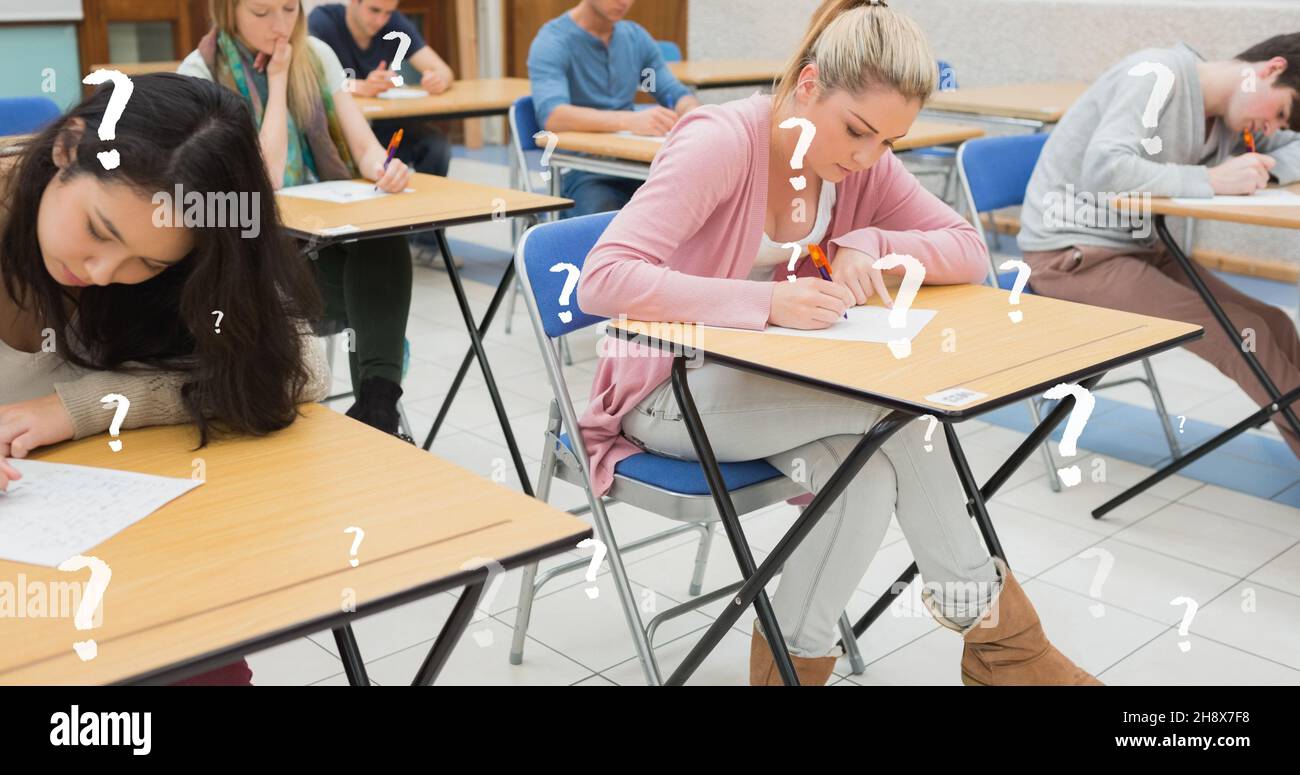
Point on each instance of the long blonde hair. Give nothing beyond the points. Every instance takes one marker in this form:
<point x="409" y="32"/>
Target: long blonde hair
<point x="304" y="72"/>
<point x="857" y="44"/>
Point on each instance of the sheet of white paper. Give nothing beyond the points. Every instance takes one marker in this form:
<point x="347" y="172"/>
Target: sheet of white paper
<point x="338" y="191"/>
<point x="400" y="93"/>
<point x="866" y="324"/>
<point x="635" y="136"/>
<point x="57" y="511"/>
<point x="1266" y="198"/>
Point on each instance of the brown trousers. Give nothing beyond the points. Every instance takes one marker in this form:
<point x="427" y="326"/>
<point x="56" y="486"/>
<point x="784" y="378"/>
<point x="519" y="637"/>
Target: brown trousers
<point x="1150" y="282"/>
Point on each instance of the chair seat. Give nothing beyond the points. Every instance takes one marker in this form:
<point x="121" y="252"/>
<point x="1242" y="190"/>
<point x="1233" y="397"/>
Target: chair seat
<point x="1007" y="282"/>
<point x="687" y="477"/>
<point x="938" y="151"/>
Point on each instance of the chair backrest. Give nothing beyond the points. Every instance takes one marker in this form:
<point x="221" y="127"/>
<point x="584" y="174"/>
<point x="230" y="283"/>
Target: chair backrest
<point x="523" y="125"/>
<point x="539" y="258"/>
<point x="671" y="51"/>
<point x="947" y="76"/>
<point x="995" y="173"/>
<point x="25" y="115"/>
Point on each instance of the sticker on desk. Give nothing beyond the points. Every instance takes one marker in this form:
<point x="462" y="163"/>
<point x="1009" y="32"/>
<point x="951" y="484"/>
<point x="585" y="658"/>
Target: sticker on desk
<point x="955" y="397"/>
<point x="334" y="231"/>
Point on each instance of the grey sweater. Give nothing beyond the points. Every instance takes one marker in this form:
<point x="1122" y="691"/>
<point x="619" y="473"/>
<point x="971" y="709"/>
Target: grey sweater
<point x="1096" y="151"/>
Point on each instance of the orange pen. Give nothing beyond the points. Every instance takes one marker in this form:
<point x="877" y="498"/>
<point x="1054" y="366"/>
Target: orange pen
<point x="392" y="148"/>
<point x="823" y="266"/>
<point x="1250" y="140"/>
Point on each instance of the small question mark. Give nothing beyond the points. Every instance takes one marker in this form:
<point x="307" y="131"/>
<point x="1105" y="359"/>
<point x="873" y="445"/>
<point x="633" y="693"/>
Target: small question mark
<point x="551" y="139"/>
<point x="1105" y="563"/>
<point x="220" y="315"/>
<point x="934" y="423"/>
<point x="122" y="90"/>
<point x="1022" y="279"/>
<point x="1084" y="403"/>
<point x="1192" y="607"/>
<point x="100" y="575"/>
<point x="492" y="585"/>
<point x="404" y="43"/>
<point x="597" y="557"/>
<point x="1182" y="419"/>
<point x="115" y="427"/>
<point x="796" y="250"/>
<point x="1248" y="79"/>
<point x="807" y="131"/>
<point x="356" y="543"/>
<point x="912" y="279"/>
<point x="570" y="283"/>
<point x="1151" y="116"/>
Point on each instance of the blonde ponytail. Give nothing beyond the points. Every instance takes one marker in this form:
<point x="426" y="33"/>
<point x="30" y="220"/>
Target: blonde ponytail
<point x="860" y="44"/>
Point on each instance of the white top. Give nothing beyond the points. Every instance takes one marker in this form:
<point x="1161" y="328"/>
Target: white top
<point x="193" y="65"/>
<point x="770" y="253"/>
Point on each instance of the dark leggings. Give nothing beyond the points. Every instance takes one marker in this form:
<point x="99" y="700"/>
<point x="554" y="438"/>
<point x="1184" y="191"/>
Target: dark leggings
<point x="367" y="287"/>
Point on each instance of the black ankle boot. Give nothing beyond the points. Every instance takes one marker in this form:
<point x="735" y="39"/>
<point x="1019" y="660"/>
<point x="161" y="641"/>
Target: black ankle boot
<point x="376" y="405"/>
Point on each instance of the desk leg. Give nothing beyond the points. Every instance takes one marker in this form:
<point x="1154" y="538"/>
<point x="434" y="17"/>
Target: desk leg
<point x="350" y="653"/>
<point x="446" y="642"/>
<point x="477" y="351"/>
<point x="756" y="578"/>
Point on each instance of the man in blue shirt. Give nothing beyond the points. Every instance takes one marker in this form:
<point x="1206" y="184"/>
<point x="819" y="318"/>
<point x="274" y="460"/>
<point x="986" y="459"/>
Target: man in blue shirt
<point x="356" y="30"/>
<point x="586" y="67"/>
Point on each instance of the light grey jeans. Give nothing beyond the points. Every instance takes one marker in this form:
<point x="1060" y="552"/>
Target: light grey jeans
<point x="806" y="434"/>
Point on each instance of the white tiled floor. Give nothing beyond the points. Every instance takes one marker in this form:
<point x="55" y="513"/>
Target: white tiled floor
<point x="1237" y="556"/>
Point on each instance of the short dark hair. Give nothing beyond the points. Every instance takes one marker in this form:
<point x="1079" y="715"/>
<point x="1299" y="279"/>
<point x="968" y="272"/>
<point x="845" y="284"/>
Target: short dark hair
<point x="1288" y="47"/>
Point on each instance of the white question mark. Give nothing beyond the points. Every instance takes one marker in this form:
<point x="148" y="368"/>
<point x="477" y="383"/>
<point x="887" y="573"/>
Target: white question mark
<point x="356" y="543"/>
<point x="1151" y="116"/>
<point x="1022" y="279"/>
<point x="1084" y="403"/>
<point x="796" y="250"/>
<point x="115" y="427"/>
<point x="912" y="279"/>
<point x="597" y="557"/>
<point x="100" y="575"/>
<point x="934" y="423"/>
<point x="807" y="131"/>
<point x="404" y="42"/>
<point x="220" y="315"/>
<point x="1105" y="563"/>
<point x="1182" y="420"/>
<point x="492" y="585"/>
<point x="1192" y="607"/>
<point x="122" y="90"/>
<point x="551" y="139"/>
<point x="570" y="283"/>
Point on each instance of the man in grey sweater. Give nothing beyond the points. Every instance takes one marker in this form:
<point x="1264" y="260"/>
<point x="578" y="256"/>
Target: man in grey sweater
<point x="1082" y="250"/>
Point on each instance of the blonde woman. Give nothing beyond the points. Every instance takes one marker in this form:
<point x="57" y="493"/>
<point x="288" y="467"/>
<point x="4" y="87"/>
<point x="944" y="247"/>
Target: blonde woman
<point x="310" y="130"/>
<point x="701" y="242"/>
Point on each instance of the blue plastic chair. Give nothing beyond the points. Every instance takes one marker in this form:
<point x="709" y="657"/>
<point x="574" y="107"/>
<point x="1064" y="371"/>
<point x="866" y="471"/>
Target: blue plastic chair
<point x="672" y="488"/>
<point x="671" y="51"/>
<point x="25" y="115"/>
<point x="994" y="173"/>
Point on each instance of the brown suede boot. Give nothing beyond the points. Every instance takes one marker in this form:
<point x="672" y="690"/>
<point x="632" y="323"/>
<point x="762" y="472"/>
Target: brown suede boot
<point x="1007" y="646"/>
<point x="811" y="671"/>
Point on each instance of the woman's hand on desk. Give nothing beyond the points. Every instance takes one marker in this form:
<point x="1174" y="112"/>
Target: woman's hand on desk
<point x="853" y="269"/>
<point x="1241" y="175"/>
<point x="394" y="179"/>
<point x="808" y="303"/>
<point x="7" y="474"/>
<point x="32" y="424"/>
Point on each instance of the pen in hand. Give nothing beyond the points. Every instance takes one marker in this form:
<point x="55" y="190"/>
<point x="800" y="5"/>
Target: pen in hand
<point x="392" y="149"/>
<point x="823" y="266"/>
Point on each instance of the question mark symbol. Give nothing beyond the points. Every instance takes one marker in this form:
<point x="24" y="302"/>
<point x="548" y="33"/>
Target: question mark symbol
<point x="122" y="90"/>
<point x="912" y="279"/>
<point x="220" y="315"/>
<point x="934" y="423"/>
<point x="796" y="250"/>
<point x="100" y="575"/>
<point x="1106" y="561"/>
<point x="551" y="139"/>
<point x="404" y="42"/>
<point x="1151" y="116"/>
<point x="597" y="557"/>
<point x="1022" y="279"/>
<point x="115" y="427"/>
<point x="570" y="283"/>
<point x="1084" y="403"/>
<point x="1182" y="420"/>
<point x="356" y="543"/>
<point x="806" y="134"/>
<point x="1192" y="607"/>
<point x="492" y="585"/>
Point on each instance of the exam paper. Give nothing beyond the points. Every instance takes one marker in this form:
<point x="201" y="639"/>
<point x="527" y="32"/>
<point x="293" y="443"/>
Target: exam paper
<point x="399" y="93"/>
<point x="865" y="324"/>
<point x="57" y="511"/>
<point x="338" y="191"/>
<point x="635" y="136"/>
<point x="1265" y="198"/>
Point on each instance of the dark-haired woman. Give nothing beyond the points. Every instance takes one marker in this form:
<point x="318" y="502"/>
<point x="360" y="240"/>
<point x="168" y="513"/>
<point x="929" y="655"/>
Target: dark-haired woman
<point x="96" y="298"/>
<point x="311" y="130"/>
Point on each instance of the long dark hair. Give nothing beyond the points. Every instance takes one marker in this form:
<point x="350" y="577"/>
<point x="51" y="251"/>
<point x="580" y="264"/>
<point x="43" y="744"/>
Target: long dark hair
<point x="187" y="131"/>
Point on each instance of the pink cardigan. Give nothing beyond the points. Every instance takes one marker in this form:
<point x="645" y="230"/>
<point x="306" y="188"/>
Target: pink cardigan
<point x="681" y="249"/>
